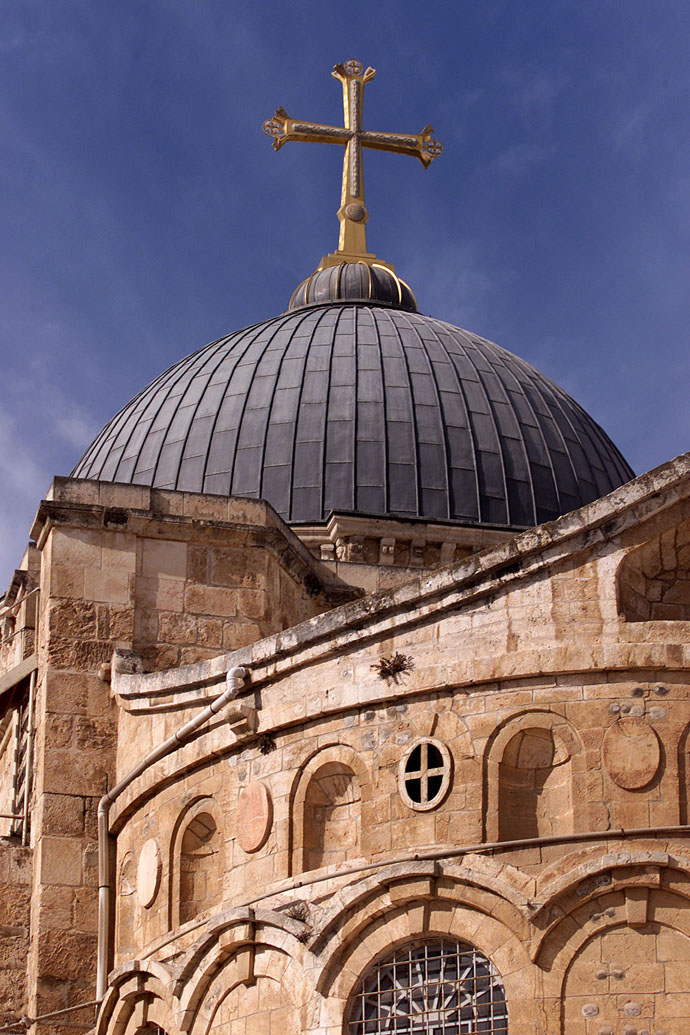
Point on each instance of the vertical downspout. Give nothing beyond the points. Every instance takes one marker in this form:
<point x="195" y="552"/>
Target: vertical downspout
<point x="234" y="681"/>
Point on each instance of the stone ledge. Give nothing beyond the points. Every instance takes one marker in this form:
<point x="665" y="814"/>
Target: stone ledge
<point x="467" y="582"/>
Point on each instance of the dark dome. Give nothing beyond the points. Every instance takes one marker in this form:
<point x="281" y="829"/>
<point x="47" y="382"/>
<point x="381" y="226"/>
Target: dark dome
<point x="354" y="407"/>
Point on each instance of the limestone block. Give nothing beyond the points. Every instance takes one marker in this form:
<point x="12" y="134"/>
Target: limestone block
<point x="235" y="566"/>
<point x="67" y="955"/>
<point x="66" y="581"/>
<point x="109" y="585"/>
<point x="119" y="552"/>
<point x="163" y="559"/>
<point x="72" y="619"/>
<point x="60" y="860"/>
<point x="76" y="547"/>
<point x="85" y="774"/>
<point x="176" y="627"/>
<point x="251" y="603"/>
<point x="208" y="508"/>
<point x="162" y="594"/>
<point x="120" y="627"/>
<point x="210" y="600"/>
<point x="62" y="814"/>
<point x="15" y="902"/>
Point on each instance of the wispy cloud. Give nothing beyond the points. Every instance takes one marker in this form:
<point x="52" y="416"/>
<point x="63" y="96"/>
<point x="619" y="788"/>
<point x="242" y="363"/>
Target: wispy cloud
<point x="39" y="423"/>
<point x="520" y="157"/>
<point x="631" y="132"/>
<point x="533" y="94"/>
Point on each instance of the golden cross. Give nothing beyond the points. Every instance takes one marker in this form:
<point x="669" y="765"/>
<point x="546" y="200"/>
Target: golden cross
<point x="352" y="213"/>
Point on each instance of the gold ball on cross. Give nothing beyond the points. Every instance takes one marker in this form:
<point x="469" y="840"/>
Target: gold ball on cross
<point x="355" y="212"/>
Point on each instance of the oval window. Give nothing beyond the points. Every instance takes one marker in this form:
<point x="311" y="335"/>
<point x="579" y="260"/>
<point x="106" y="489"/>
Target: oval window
<point x="424" y="775"/>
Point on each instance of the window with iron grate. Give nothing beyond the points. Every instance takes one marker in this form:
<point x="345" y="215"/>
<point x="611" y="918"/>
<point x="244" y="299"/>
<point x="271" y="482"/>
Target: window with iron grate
<point x="439" y="987"/>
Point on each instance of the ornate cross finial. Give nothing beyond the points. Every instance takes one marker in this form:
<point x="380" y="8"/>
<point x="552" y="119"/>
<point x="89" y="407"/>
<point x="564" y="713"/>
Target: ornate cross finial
<point x="352" y="213"/>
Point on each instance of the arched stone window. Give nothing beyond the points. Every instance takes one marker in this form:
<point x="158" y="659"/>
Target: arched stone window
<point x="200" y="868"/>
<point x="535" y="797"/>
<point x="332" y="816"/>
<point x="434" y="987"/>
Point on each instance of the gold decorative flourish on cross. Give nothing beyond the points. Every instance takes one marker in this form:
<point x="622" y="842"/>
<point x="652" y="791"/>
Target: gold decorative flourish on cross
<point x="353" y="216"/>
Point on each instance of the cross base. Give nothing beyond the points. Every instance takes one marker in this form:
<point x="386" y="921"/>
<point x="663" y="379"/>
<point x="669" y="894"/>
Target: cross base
<point x="337" y="258"/>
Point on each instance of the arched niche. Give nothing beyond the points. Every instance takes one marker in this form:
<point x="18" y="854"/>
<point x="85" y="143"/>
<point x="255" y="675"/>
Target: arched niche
<point x="684" y="776"/>
<point x="138" y="1001"/>
<point x="332" y="816"/>
<point x="535" y="786"/>
<point x="653" y="580"/>
<point x="197" y="863"/>
<point x="327" y="801"/>
<point x="533" y="765"/>
<point x="239" y="984"/>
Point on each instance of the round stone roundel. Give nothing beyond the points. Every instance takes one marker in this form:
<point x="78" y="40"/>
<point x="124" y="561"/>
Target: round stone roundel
<point x="631" y="753"/>
<point x="254" y="816"/>
<point x="148" y="873"/>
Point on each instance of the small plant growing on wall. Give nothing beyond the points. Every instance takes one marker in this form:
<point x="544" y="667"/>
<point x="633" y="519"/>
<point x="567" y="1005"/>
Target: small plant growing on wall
<point x="266" y="744"/>
<point x="394" y="666"/>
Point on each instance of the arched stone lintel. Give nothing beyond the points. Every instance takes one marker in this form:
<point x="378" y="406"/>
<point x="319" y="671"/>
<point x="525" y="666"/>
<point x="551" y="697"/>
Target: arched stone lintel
<point x="138" y="993"/>
<point x="233" y="940"/>
<point x="478" y="882"/>
<point x="397" y="925"/>
<point x="624" y="905"/>
<point x="552" y="891"/>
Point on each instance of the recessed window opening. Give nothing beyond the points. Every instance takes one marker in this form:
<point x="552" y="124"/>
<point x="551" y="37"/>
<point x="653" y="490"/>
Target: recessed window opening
<point x="439" y="987"/>
<point x="425" y="773"/>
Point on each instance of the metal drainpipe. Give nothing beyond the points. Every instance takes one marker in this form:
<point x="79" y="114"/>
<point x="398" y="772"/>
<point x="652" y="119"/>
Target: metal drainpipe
<point x="234" y="679"/>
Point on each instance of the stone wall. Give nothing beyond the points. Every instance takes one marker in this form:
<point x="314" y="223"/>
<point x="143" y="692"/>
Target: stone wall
<point x="15" y="900"/>
<point x="654" y="579"/>
<point x="167" y="578"/>
<point x="553" y="738"/>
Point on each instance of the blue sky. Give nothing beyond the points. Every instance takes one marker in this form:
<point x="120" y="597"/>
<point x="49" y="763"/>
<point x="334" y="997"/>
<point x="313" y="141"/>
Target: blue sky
<point x="144" y="213"/>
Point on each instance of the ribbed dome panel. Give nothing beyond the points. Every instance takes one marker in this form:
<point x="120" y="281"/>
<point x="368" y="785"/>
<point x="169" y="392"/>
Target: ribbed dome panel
<point x="367" y="409"/>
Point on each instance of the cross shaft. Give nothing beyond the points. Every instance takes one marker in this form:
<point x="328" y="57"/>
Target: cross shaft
<point x="353" y="215"/>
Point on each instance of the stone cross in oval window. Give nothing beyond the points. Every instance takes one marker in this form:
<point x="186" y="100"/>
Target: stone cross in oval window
<point x="425" y="772"/>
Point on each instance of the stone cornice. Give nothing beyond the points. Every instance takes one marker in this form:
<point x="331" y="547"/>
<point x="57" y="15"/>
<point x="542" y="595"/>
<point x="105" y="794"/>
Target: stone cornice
<point x="146" y="511"/>
<point x="421" y="599"/>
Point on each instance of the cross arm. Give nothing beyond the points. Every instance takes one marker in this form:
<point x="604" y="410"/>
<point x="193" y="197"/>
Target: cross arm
<point x="419" y="145"/>
<point x="282" y="128"/>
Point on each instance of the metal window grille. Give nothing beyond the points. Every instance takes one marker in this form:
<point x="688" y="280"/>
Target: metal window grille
<point x="438" y="987"/>
<point x="21" y="781"/>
